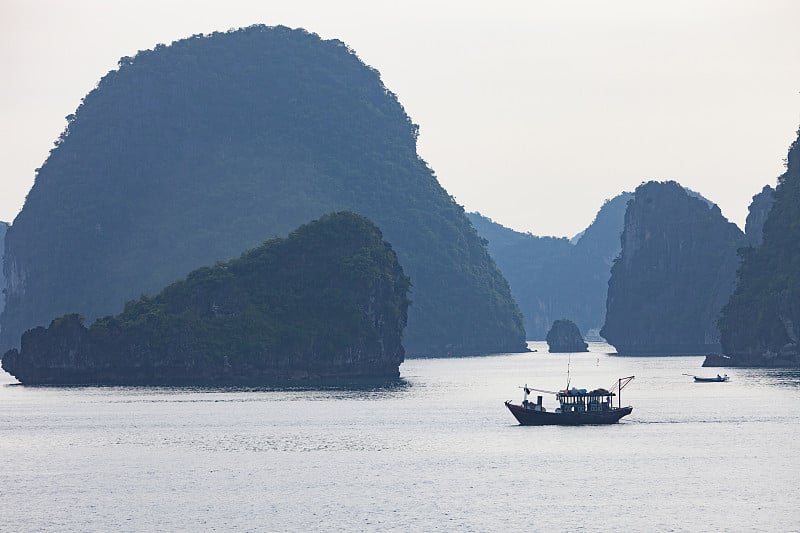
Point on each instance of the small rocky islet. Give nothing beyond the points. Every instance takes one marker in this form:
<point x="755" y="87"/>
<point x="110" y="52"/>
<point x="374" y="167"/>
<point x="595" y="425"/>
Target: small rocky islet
<point x="565" y="337"/>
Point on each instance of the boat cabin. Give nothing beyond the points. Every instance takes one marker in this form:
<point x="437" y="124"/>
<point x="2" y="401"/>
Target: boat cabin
<point x="580" y="401"/>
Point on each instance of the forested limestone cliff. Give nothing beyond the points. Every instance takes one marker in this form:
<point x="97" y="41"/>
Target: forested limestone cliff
<point x="675" y="272"/>
<point x="757" y="215"/>
<point x="327" y="304"/>
<point x="3" y="229"/>
<point x="760" y="325"/>
<point x="189" y="153"/>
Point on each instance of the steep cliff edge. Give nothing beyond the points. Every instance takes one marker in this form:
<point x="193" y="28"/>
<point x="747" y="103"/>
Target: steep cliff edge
<point x="760" y="325"/>
<point x="757" y="215"/>
<point x="675" y="272"/>
<point x="3" y="229"/>
<point x="326" y="304"/>
<point x="191" y="152"/>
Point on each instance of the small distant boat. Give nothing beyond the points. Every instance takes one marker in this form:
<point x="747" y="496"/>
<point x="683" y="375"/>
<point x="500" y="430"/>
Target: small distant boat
<point x="717" y="379"/>
<point x="577" y="407"/>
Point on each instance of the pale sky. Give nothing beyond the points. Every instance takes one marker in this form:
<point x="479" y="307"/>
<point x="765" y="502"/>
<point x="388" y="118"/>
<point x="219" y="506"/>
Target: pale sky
<point x="531" y="112"/>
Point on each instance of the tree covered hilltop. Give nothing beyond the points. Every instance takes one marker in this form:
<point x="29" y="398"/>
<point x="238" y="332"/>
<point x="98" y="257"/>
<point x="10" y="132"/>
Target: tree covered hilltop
<point x="760" y="325"/>
<point x="326" y="304"/>
<point x="193" y="151"/>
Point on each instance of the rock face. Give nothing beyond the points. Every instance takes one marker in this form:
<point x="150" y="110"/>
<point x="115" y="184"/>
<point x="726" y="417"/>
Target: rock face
<point x="564" y="337"/>
<point x="327" y="304"/>
<point x="757" y="215"/>
<point x="552" y="277"/>
<point x="3" y="229"/>
<point x="675" y="272"/>
<point x="602" y="237"/>
<point x="192" y="152"/>
<point x="760" y="325"/>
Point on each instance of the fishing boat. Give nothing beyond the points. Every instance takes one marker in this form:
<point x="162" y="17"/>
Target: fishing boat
<point x="577" y="407"/>
<point x="718" y="379"/>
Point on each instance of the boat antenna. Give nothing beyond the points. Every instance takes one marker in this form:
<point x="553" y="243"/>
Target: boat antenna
<point x="569" y="360"/>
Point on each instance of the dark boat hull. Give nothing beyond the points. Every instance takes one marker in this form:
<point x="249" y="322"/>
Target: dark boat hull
<point x="530" y="417"/>
<point x="710" y="380"/>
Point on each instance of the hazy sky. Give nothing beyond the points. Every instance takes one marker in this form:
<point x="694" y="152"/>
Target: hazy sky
<point x="531" y="112"/>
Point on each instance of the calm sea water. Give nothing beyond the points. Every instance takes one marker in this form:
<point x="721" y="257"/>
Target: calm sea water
<point x="438" y="453"/>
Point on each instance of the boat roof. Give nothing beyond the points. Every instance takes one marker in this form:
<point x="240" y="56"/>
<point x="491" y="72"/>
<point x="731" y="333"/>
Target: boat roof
<point x="584" y="392"/>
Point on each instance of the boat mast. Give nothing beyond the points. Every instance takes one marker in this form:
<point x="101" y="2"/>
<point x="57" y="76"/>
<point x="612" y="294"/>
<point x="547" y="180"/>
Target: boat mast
<point x="569" y="360"/>
<point x="620" y="386"/>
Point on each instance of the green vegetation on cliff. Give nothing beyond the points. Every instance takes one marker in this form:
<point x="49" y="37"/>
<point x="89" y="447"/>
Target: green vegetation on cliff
<point x="675" y="272"/>
<point x="761" y="322"/>
<point x="189" y="153"/>
<point x="328" y="302"/>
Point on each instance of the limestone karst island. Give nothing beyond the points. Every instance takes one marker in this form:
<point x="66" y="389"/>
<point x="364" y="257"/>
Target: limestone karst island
<point x="327" y="304"/>
<point x="190" y="153"/>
